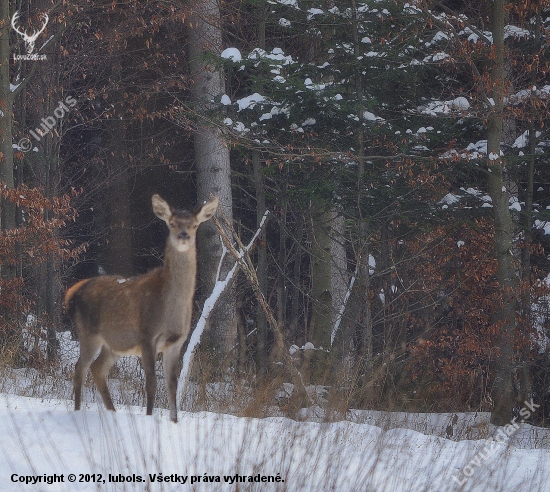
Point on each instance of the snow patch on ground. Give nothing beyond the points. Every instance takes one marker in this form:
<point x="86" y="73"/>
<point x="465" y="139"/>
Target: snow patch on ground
<point x="43" y="437"/>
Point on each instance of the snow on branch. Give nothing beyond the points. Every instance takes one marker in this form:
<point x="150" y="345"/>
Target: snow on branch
<point x="208" y="307"/>
<point x="340" y="314"/>
<point x="243" y="260"/>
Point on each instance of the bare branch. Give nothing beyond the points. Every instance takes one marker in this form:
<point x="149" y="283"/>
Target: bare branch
<point x="243" y="260"/>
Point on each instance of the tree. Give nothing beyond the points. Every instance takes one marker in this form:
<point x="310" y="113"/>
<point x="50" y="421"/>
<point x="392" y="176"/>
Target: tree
<point x="6" y="149"/>
<point x="212" y="162"/>
<point x="502" y="393"/>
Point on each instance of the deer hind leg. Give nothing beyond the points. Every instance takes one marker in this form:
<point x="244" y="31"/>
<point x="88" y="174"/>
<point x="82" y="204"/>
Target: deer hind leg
<point x="148" y="358"/>
<point x="170" y="363"/>
<point x="89" y="346"/>
<point x="100" y="369"/>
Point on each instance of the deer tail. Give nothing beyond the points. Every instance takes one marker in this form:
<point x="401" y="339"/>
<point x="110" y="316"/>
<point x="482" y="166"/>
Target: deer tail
<point x="69" y="302"/>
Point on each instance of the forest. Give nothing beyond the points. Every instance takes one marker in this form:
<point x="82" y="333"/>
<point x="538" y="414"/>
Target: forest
<point x="399" y="150"/>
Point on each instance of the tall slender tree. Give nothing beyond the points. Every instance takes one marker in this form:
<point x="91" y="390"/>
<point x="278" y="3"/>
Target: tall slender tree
<point x="212" y="162"/>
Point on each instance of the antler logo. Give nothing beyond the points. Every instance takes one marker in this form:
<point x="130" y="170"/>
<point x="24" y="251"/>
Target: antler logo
<point x="29" y="40"/>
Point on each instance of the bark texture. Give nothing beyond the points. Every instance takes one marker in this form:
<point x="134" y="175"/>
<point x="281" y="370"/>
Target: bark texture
<point x="212" y="167"/>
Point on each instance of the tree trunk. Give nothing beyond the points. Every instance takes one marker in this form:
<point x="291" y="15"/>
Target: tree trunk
<point x="213" y="168"/>
<point x="361" y="304"/>
<point x="321" y="291"/>
<point x="6" y="122"/>
<point x="8" y="270"/>
<point x="525" y="381"/>
<point x="116" y="257"/>
<point x="502" y="391"/>
<point x="296" y="273"/>
<point x="321" y="278"/>
<point x="261" y="270"/>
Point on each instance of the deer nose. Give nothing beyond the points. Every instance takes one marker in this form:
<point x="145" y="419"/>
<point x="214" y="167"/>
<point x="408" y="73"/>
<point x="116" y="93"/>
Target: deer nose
<point x="184" y="236"/>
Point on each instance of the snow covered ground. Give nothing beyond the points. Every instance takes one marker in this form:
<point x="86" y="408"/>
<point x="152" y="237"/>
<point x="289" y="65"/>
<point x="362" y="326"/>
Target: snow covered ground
<point x="210" y="451"/>
<point x="369" y="451"/>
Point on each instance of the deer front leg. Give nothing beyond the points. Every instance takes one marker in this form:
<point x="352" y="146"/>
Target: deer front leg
<point x="148" y="356"/>
<point x="170" y="363"/>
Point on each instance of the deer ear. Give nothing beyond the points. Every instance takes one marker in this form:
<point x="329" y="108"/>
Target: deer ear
<point x="207" y="210"/>
<point x="161" y="208"/>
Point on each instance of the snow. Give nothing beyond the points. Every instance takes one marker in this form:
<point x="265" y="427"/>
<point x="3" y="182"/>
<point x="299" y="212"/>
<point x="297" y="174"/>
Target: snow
<point x="440" y="36"/>
<point x="439" y="56"/>
<point x="523" y="140"/>
<point x="225" y="100"/>
<point x="312" y="12"/>
<point x="452" y="198"/>
<point x="240" y="127"/>
<point x="232" y="54"/>
<point x="479" y="146"/>
<point x="312" y="86"/>
<point x="449" y="199"/>
<point x="515" y="32"/>
<point x="376" y="451"/>
<point x="487" y="36"/>
<point x="543" y="225"/>
<point x="473" y="151"/>
<point x="309" y="122"/>
<point x="290" y="3"/>
<point x="372" y="265"/>
<point x="367" y="115"/>
<point x="523" y="95"/>
<point x="249" y="102"/>
<point x="411" y="9"/>
<point x="435" y="108"/>
<point x="515" y="204"/>
<point x="276" y="55"/>
<point x="460" y="103"/>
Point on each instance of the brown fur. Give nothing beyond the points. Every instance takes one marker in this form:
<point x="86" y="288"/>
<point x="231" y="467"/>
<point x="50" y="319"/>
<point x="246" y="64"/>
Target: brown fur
<point x="71" y="291"/>
<point x="144" y="315"/>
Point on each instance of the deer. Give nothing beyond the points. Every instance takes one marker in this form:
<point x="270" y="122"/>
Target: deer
<point x="143" y="315"/>
<point x="29" y="40"/>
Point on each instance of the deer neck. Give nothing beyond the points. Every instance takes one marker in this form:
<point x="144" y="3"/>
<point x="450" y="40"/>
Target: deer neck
<point x="179" y="272"/>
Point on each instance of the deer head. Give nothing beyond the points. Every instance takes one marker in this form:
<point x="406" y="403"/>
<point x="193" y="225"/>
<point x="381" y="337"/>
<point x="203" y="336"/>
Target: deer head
<point x="182" y="224"/>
